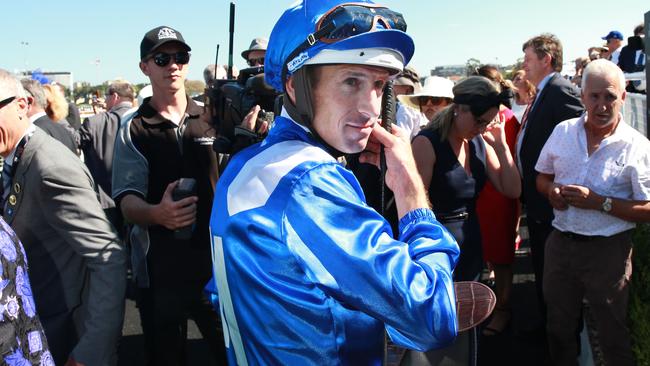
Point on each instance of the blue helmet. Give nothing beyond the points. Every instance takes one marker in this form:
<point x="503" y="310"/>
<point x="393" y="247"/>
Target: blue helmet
<point x="304" y="31"/>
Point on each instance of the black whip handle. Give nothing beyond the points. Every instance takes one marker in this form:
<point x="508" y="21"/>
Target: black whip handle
<point x="387" y="120"/>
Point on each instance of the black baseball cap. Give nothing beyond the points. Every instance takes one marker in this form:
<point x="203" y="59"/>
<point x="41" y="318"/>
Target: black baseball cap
<point x="158" y="37"/>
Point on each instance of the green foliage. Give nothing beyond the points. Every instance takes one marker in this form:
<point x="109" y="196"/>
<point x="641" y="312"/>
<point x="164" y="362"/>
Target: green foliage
<point x="639" y="307"/>
<point x="471" y="66"/>
<point x="194" y="87"/>
<point x="86" y="91"/>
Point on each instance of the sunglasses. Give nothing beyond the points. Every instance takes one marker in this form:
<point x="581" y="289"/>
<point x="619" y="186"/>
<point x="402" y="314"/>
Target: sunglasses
<point x="162" y="59"/>
<point x="6" y="101"/>
<point x="256" y="61"/>
<point x="481" y="123"/>
<point x="424" y="100"/>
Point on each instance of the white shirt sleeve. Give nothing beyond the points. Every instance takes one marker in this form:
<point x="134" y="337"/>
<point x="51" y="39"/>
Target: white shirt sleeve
<point x="544" y="163"/>
<point x="410" y="119"/>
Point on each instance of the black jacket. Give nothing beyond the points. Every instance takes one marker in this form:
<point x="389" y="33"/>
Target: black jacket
<point x="557" y="102"/>
<point x="97" y="139"/>
<point x="57" y="131"/>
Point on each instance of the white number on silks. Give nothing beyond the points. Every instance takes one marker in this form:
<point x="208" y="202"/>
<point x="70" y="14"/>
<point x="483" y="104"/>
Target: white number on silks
<point x="231" y="333"/>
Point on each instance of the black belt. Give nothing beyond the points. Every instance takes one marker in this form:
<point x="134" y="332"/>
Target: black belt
<point x="453" y="217"/>
<point x="580" y="237"/>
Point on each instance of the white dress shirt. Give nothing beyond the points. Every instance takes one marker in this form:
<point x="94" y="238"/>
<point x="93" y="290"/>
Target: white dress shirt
<point x="619" y="168"/>
<point x="615" y="55"/>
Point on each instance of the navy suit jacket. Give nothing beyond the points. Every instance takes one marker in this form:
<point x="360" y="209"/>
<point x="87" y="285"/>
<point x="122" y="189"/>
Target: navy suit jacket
<point x="558" y="101"/>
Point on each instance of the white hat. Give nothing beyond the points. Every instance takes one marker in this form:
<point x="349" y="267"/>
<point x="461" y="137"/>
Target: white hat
<point x="434" y="86"/>
<point x="145" y="93"/>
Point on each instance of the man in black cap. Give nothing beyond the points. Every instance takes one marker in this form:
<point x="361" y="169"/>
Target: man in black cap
<point x="165" y="140"/>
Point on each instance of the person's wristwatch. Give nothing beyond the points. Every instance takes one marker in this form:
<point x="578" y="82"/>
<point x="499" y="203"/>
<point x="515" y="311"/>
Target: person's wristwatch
<point x="607" y="205"/>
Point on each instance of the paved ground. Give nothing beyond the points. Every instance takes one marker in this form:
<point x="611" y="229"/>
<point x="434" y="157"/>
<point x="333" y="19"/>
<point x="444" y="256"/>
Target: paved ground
<point x="508" y="348"/>
<point x="132" y="343"/>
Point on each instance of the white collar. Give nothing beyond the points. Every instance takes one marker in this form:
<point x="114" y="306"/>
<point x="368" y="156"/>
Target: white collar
<point x="36" y="116"/>
<point x="286" y="115"/>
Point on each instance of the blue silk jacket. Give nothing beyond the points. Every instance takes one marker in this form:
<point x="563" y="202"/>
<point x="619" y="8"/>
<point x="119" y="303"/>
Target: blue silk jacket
<point x="308" y="274"/>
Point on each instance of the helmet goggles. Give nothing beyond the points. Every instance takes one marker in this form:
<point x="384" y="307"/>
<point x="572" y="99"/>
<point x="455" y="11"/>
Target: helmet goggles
<point x="347" y="20"/>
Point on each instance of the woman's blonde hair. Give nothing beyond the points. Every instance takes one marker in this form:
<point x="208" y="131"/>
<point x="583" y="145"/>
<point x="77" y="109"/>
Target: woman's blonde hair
<point x="477" y="86"/>
<point x="57" y="106"/>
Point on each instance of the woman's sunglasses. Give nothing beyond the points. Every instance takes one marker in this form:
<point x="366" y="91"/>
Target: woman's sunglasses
<point x="424" y="100"/>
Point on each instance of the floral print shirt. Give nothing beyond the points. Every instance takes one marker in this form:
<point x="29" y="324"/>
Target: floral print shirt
<point x="22" y="340"/>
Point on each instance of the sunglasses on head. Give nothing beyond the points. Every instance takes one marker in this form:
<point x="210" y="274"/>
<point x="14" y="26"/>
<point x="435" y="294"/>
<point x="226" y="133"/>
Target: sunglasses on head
<point x="256" y="61"/>
<point x="6" y="101"/>
<point x="162" y="59"/>
<point x="434" y="100"/>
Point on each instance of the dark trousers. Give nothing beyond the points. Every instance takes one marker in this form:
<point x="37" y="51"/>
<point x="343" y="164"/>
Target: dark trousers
<point x="164" y="311"/>
<point x="598" y="270"/>
<point x="538" y="232"/>
<point x="114" y="216"/>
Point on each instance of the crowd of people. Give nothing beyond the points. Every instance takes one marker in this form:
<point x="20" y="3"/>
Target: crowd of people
<point x="291" y="250"/>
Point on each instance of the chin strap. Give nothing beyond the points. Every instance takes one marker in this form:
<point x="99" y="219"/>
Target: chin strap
<point x="303" y="111"/>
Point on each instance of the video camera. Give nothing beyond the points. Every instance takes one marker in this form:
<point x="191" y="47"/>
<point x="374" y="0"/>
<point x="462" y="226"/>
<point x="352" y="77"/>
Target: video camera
<point x="229" y="101"/>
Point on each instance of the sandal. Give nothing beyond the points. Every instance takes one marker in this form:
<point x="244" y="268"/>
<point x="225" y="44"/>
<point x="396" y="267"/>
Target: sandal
<point x="496" y="327"/>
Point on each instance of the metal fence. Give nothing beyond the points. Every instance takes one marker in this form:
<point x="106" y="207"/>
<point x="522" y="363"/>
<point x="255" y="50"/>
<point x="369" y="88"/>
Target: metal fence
<point x="635" y="113"/>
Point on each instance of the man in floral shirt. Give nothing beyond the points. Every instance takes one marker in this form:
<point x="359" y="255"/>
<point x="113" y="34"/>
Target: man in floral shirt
<point x="22" y="341"/>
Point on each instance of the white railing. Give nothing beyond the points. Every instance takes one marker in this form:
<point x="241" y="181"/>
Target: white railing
<point x="636" y="106"/>
<point x="634" y="112"/>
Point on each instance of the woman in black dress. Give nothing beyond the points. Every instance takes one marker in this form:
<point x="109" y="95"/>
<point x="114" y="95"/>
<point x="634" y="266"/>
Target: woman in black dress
<point x="456" y="153"/>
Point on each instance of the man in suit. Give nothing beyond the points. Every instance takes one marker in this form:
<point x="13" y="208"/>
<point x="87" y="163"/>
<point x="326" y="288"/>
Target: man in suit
<point x="557" y="100"/>
<point x="77" y="263"/>
<point x="36" y="113"/>
<point x="97" y="137"/>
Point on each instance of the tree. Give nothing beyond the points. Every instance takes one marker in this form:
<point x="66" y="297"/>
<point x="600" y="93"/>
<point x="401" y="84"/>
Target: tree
<point x="86" y="91"/>
<point x="471" y="66"/>
<point x="194" y="87"/>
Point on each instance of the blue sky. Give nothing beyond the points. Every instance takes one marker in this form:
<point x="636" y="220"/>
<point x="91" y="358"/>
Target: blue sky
<point x="71" y="35"/>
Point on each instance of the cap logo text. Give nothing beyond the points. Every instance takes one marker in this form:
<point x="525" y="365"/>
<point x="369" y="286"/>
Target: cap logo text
<point x="165" y="33"/>
<point x="297" y="62"/>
